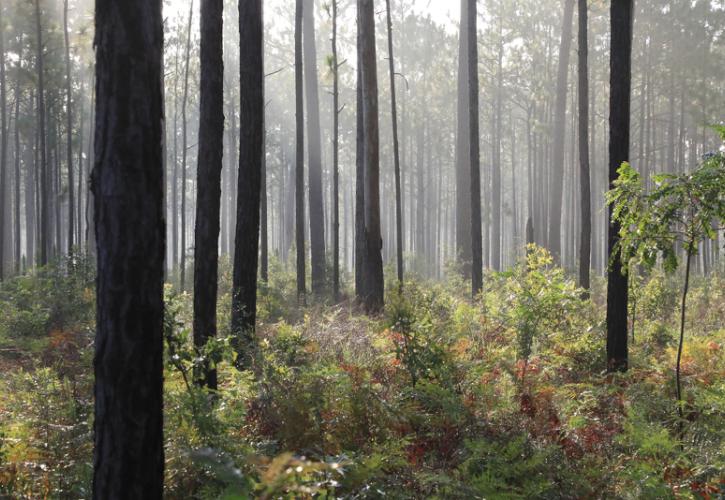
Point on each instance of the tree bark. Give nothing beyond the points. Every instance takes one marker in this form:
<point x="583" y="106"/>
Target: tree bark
<point x="314" y="153"/>
<point x="43" y="195"/>
<point x="474" y="153"/>
<point x="335" y="158"/>
<point x="128" y="189"/>
<point x="299" y="156"/>
<point x="184" y="100"/>
<point x="396" y="154"/>
<point x="359" y="183"/>
<point x="619" y="120"/>
<point x="463" y="163"/>
<point x="373" y="266"/>
<point x="69" y="131"/>
<point x="209" y="172"/>
<point x="585" y="241"/>
<point x="557" y="154"/>
<point x="3" y="143"/>
<point x="251" y="151"/>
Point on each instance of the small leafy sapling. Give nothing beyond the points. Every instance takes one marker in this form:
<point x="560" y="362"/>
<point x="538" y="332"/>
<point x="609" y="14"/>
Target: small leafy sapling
<point x="681" y="209"/>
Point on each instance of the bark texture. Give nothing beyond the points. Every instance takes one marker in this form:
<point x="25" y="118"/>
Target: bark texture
<point x="619" y="122"/>
<point x="209" y="172"/>
<point x="129" y="220"/>
<point x="251" y="151"/>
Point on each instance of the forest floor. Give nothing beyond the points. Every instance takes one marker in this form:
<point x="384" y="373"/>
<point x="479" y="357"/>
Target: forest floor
<point x="437" y="397"/>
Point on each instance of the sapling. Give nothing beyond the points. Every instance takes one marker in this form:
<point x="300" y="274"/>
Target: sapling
<point x="681" y="209"/>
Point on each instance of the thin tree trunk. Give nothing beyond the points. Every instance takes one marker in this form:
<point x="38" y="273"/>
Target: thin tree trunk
<point x="681" y="342"/>
<point x="314" y="153"/>
<point x="3" y="143"/>
<point x="209" y="172"/>
<point x="299" y="156"/>
<point x="619" y="120"/>
<point x="18" y="246"/>
<point x="251" y="151"/>
<point x="182" y="275"/>
<point x="463" y="163"/>
<point x="43" y="195"/>
<point x="360" y="183"/>
<point x="69" y="132"/>
<point x="335" y="159"/>
<point x="557" y="159"/>
<point x="585" y="243"/>
<point x="396" y="154"/>
<point x="128" y="187"/>
<point x="475" y="167"/>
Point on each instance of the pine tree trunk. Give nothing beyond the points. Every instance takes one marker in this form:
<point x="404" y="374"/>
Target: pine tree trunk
<point x="396" y="154"/>
<point x="359" y="184"/>
<point x="209" y="171"/>
<point x="184" y="101"/>
<point x="619" y="119"/>
<point x="373" y="265"/>
<point x="463" y="164"/>
<point x="69" y="132"/>
<point x="43" y="194"/>
<point x="557" y="154"/>
<point x="474" y="153"/>
<point x="3" y="144"/>
<point x="251" y="151"/>
<point x="585" y="242"/>
<point x="128" y="189"/>
<point x="314" y="153"/>
<point x="335" y="159"/>
<point x="299" y="156"/>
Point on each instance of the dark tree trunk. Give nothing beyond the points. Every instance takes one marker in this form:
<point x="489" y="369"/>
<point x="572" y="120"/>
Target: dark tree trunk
<point x="128" y="189"/>
<point x="373" y="265"/>
<point x="474" y="153"/>
<point x="335" y="159"/>
<point x="69" y="131"/>
<point x="299" y="156"/>
<point x="557" y="154"/>
<point x="314" y="153"/>
<point x="264" y="222"/>
<point x="3" y="144"/>
<point x="496" y="233"/>
<point x="463" y="163"/>
<point x="396" y="154"/>
<point x="208" y="184"/>
<point x="359" y="184"/>
<point x="619" y="118"/>
<point x="585" y="242"/>
<point x="43" y="194"/>
<point x="251" y="151"/>
<point x="184" y="101"/>
<point x="18" y="246"/>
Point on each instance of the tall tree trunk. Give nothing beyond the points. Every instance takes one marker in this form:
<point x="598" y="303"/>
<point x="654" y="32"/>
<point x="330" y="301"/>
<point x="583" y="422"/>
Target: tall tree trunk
<point x="557" y="154"/>
<point x="43" y="195"/>
<point x="128" y="188"/>
<point x="373" y="265"/>
<point x="264" y="222"/>
<point x="69" y="131"/>
<point x="619" y="107"/>
<point x="3" y="143"/>
<point x="251" y="151"/>
<point x="463" y="163"/>
<point x="175" y="176"/>
<point x="18" y="247"/>
<point x="299" y="156"/>
<point x="209" y="172"/>
<point x="335" y="159"/>
<point x="184" y="100"/>
<point x="496" y="235"/>
<point x="396" y="153"/>
<point x="474" y="153"/>
<point x="314" y="153"/>
<point x="585" y="242"/>
<point x="359" y="182"/>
